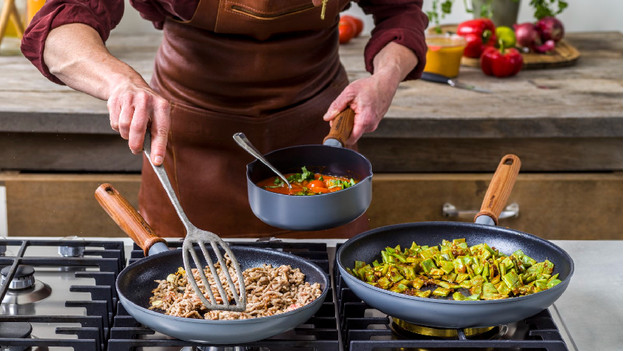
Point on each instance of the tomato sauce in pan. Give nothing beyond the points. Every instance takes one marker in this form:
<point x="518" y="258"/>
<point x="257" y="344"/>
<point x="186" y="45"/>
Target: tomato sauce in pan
<point x="306" y="183"/>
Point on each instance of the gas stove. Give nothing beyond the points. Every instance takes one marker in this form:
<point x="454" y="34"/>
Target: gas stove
<point x="60" y="295"/>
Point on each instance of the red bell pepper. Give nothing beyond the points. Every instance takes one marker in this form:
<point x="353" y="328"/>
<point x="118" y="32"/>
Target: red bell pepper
<point x="479" y="33"/>
<point x="501" y="62"/>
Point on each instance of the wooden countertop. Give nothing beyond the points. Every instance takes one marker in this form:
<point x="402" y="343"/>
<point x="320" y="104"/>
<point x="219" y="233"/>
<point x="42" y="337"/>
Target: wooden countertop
<point x="586" y="96"/>
<point x="582" y="101"/>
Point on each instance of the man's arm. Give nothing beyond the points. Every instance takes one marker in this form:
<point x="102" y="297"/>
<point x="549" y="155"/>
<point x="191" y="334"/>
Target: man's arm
<point x="76" y="55"/>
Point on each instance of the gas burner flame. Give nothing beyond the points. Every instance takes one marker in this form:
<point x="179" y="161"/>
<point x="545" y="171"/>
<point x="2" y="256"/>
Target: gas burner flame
<point x="410" y="330"/>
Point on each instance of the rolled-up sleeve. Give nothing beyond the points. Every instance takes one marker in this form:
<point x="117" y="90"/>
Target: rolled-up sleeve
<point x="400" y="21"/>
<point x="103" y="16"/>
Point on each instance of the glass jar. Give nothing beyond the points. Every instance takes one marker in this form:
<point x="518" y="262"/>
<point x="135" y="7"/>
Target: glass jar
<point x="444" y="53"/>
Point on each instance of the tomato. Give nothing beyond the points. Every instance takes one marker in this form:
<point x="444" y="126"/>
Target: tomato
<point x="358" y="23"/>
<point x="318" y="190"/>
<point x="305" y="183"/>
<point x="316" y="184"/>
<point x="346" y="31"/>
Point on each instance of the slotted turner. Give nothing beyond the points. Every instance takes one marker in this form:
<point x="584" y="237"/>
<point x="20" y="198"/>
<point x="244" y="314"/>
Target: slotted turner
<point x="198" y="237"/>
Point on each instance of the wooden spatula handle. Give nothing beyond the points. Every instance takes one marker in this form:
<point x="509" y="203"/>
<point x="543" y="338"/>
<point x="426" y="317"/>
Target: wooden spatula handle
<point x="342" y="126"/>
<point x="126" y="217"/>
<point x="500" y="187"/>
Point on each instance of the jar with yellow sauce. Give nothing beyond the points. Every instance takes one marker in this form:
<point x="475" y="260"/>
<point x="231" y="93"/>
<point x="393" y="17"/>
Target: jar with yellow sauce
<point x="444" y="53"/>
<point x="32" y="7"/>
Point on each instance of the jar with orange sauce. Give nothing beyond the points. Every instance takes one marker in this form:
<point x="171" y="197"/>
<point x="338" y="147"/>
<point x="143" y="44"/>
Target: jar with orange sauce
<point x="444" y="53"/>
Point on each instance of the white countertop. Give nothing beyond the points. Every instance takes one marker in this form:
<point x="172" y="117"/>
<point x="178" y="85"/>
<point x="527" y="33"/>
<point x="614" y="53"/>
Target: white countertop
<point x="591" y="307"/>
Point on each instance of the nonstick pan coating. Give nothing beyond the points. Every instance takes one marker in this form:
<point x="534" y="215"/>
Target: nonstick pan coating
<point x="136" y="282"/>
<point x="442" y="313"/>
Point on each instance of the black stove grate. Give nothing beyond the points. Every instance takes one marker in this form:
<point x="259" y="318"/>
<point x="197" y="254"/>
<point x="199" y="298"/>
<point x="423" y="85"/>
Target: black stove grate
<point x="319" y="333"/>
<point x="100" y="260"/>
<point x="88" y="333"/>
<point x="364" y="328"/>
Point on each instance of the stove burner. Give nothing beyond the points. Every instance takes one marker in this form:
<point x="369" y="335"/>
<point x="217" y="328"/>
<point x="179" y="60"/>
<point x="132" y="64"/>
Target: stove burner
<point x="24" y="277"/>
<point x="23" y="289"/>
<point x="72" y="250"/>
<point x="15" y="330"/>
<point x="410" y="331"/>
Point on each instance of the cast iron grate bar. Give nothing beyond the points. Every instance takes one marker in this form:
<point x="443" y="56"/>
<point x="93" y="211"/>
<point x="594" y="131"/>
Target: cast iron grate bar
<point x="90" y="334"/>
<point x="46" y="344"/>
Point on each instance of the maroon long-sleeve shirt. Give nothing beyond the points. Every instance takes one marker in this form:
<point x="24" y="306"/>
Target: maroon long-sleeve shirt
<point x="401" y="21"/>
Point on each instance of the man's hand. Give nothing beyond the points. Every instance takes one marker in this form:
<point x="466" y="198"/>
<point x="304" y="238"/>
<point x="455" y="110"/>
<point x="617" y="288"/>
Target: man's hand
<point x="135" y="107"/>
<point x="370" y="98"/>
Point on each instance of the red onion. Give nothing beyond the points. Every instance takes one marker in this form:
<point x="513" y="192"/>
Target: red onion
<point x="550" y="28"/>
<point x="546" y="47"/>
<point x="527" y="35"/>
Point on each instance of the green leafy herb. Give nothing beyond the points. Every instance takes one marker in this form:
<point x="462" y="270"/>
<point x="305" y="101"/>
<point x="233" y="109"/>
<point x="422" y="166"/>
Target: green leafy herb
<point x="300" y="177"/>
<point x="545" y="8"/>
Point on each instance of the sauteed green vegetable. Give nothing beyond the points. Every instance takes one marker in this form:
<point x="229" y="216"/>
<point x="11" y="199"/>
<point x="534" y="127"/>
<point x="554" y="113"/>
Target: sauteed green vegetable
<point x="457" y="271"/>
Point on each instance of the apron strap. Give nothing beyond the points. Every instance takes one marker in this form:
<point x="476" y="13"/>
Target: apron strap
<point x="205" y="16"/>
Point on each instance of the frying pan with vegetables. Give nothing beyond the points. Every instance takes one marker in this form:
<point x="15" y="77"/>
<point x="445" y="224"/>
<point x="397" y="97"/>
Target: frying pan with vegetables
<point x="329" y="210"/>
<point x="449" y="313"/>
<point x="136" y="282"/>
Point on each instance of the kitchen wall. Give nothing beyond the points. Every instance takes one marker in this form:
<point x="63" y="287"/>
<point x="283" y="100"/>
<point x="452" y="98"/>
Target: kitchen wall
<point x="581" y="15"/>
<point x="3" y="212"/>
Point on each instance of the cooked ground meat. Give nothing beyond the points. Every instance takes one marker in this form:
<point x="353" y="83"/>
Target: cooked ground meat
<point x="270" y="291"/>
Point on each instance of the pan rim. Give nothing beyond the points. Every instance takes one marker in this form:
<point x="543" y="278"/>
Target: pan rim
<point x="564" y="283"/>
<point x="369" y="165"/>
<point x="148" y="259"/>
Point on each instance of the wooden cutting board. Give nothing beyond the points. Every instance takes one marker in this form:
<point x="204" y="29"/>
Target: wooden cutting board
<point x="564" y="55"/>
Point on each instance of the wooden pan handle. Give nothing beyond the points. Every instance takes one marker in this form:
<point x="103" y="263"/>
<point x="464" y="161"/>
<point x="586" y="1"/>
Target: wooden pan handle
<point x="342" y="126"/>
<point x="500" y="187"/>
<point x="126" y="217"/>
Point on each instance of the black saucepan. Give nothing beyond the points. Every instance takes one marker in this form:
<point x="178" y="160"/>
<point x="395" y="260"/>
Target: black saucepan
<point x="330" y="210"/>
<point x="443" y="313"/>
<point x="136" y="282"/>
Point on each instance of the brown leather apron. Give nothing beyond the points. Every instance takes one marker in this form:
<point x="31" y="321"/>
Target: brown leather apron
<point x="268" y="69"/>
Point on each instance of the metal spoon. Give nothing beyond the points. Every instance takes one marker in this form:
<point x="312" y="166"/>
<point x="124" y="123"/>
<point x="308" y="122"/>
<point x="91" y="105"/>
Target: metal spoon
<point x="243" y="142"/>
